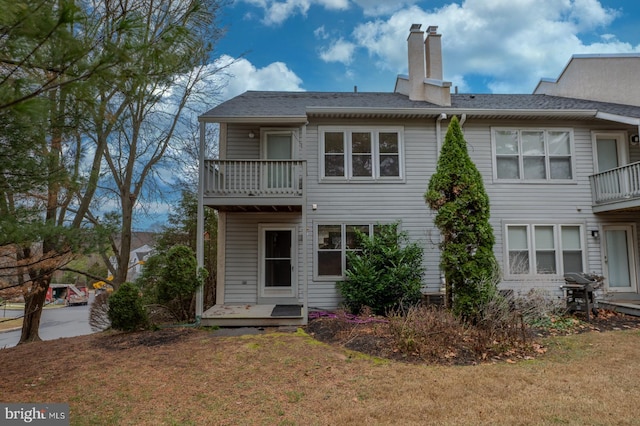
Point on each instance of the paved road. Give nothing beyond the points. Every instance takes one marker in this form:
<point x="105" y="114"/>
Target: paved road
<point x="55" y="323"/>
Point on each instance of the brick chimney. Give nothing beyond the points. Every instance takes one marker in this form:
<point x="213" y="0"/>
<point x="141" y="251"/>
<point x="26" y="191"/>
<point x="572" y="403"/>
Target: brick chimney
<point x="416" y="45"/>
<point x="424" y="82"/>
<point x="433" y="49"/>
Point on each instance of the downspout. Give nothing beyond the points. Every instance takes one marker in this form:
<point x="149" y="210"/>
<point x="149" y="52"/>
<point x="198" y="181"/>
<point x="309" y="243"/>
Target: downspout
<point x="441" y="117"/>
<point x="463" y="118"/>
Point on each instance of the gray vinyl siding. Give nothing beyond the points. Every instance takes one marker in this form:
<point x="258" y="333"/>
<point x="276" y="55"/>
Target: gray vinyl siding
<point x="241" y="268"/>
<point x="240" y="146"/>
<point x="372" y="202"/>
<point x="543" y="203"/>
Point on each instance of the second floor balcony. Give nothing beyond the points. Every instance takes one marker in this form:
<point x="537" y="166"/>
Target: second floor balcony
<point x="616" y="189"/>
<point x="254" y="185"/>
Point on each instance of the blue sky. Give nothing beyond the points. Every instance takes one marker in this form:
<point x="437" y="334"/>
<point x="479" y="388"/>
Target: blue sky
<point x="489" y="46"/>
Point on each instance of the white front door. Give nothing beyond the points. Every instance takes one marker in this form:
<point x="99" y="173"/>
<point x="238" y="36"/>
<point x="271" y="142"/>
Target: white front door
<point x="619" y="258"/>
<point x="277" y="264"/>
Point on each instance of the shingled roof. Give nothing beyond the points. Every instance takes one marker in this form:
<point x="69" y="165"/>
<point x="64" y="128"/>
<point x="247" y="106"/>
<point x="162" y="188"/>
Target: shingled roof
<point x="253" y="106"/>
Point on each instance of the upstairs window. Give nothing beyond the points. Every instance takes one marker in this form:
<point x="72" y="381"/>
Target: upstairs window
<point x="533" y="154"/>
<point x="360" y="154"/>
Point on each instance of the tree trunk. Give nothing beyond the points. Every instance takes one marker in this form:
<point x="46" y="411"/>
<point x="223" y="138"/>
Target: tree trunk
<point x="41" y="274"/>
<point x="125" y="240"/>
<point x="33" y="303"/>
<point x="448" y="300"/>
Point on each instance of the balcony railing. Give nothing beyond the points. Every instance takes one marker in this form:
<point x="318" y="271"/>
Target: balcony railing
<point x="254" y="178"/>
<point x="615" y="185"/>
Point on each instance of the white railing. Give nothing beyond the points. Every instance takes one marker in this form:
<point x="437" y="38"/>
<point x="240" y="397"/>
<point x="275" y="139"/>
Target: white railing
<point x="619" y="184"/>
<point x="255" y="178"/>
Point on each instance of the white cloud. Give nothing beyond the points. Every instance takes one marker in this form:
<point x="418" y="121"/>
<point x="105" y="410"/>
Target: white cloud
<point x="339" y="51"/>
<point x="589" y="14"/>
<point x="276" y="12"/>
<point x="510" y="43"/>
<point x="321" y="33"/>
<point x="241" y="75"/>
<point x="382" y="7"/>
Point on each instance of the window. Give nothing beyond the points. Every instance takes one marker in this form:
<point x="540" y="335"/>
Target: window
<point x="544" y="249"/>
<point x="360" y="153"/>
<point x="533" y="155"/>
<point x="333" y="242"/>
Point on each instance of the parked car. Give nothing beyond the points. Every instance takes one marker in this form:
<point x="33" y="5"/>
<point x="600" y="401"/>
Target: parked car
<point x="67" y="294"/>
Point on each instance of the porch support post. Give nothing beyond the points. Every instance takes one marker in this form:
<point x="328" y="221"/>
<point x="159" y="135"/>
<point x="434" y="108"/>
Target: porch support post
<point x="305" y="229"/>
<point x="200" y="221"/>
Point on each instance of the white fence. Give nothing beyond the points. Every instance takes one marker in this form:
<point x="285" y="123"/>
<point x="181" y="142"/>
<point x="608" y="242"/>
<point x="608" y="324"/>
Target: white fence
<point x="619" y="184"/>
<point x="257" y="178"/>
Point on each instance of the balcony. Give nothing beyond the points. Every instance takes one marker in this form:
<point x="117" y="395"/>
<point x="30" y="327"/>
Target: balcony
<point x="254" y="185"/>
<point x="616" y="189"/>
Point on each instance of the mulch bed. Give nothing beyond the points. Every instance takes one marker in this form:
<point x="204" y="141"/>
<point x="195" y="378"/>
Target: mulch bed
<point x="371" y="336"/>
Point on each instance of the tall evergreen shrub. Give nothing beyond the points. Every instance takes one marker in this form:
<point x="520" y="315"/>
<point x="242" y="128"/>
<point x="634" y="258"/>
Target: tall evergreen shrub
<point x="456" y="192"/>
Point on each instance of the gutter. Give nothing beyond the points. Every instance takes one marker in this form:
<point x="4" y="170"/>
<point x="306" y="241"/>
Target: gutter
<point x="618" y="118"/>
<point x="435" y="110"/>
<point x="273" y="119"/>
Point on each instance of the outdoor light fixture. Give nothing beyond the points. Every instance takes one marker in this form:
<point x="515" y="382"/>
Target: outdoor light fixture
<point x="595" y="233"/>
<point x="251" y="134"/>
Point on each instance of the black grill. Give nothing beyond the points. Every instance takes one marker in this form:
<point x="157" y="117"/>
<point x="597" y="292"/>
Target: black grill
<point x="579" y="288"/>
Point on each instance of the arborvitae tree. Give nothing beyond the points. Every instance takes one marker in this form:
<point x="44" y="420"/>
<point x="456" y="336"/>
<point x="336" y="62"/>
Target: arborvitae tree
<point x="457" y="193"/>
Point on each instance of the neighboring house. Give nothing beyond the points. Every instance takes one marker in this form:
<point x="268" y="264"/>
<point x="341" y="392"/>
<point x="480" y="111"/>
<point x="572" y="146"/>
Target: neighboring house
<point x="137" y="259"/>
<point x="605" y="77"/>
<point x="299" y="171"/>
<point x="144" y="248"/>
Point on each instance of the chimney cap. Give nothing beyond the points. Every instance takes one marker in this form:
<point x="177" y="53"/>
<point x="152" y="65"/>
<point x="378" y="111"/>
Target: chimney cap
<point x="432" y="29"/>
<point x="415" y="27"/>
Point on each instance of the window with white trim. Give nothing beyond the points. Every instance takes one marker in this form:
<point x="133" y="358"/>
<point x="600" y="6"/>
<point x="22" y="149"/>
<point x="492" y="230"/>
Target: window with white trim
<point x="333" y="241"/>
<point x="361" y="153"/>
<point x="544" y="249"/>
<point x="533" y="154"/>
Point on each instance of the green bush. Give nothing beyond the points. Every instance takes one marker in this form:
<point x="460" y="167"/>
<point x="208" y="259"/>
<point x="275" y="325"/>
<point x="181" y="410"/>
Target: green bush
<point x="385" y="274"/>
<point x="179" y="280"/>
<point x="170" y="279"/>
<point x="125" y="309"/>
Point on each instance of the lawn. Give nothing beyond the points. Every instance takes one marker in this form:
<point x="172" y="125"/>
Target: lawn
<point x="9" y="323"/>
<point x="186" y="376"/>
